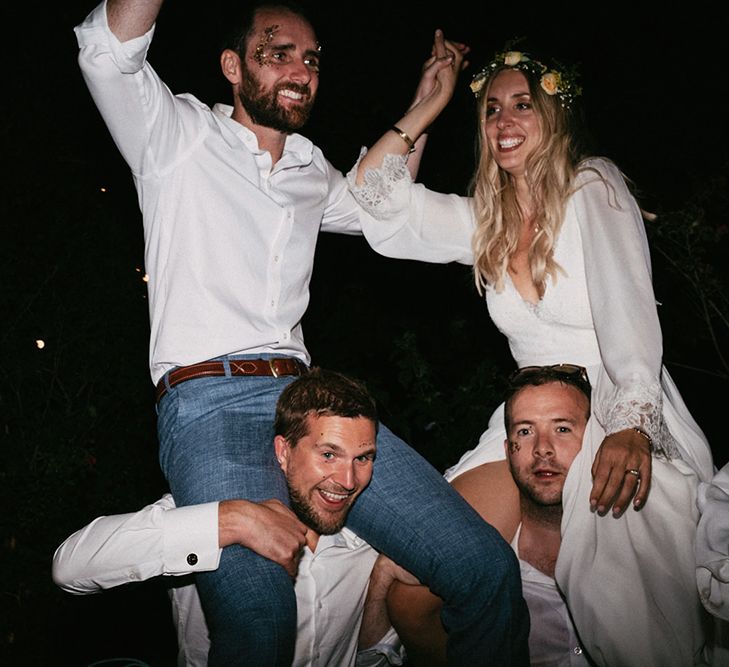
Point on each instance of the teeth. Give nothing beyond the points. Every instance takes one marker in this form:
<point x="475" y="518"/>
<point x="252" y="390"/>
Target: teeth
<point x="337" y="497"/>
<point x="510" y="142"/>
<point x="291" y="94"/>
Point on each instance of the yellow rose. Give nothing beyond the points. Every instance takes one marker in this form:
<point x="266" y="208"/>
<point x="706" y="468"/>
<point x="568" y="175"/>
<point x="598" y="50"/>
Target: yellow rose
<point x="512" y="58"/>
<point x="550" y="83"/>
<point x="477" y="84"/>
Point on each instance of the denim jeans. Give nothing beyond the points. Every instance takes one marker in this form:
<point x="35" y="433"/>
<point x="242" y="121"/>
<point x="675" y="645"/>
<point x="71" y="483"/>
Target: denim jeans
<point x="216" y="443"/>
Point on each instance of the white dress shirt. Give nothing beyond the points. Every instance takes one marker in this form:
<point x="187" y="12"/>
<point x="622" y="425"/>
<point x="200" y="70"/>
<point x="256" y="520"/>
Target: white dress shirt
<point x="229" y="237"/>
<point x="553" y="640"/>
<point x="162" y="539"/>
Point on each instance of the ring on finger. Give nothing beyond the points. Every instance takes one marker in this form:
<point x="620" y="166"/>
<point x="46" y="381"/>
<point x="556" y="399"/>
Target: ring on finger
<point x="633" y="471"/>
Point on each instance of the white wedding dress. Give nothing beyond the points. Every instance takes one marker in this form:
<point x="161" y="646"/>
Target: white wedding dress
<point x="630" y="583"/>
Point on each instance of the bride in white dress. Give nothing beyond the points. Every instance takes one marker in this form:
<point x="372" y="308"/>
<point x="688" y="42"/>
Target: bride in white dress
<point x="559" y="249"/>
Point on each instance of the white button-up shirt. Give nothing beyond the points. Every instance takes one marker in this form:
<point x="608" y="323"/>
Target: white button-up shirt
<point x="553" y="640"/>
<point x="162" y="539"/>
<point x="229" y="239"/>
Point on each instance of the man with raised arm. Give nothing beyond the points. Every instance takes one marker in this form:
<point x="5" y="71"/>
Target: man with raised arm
<point x="233" y="199"/>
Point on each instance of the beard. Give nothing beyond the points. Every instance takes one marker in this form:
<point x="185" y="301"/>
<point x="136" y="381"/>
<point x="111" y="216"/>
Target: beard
<point x="326" y="523"/>
<point x="538" y="495"/>
<point x="264" y="109"/>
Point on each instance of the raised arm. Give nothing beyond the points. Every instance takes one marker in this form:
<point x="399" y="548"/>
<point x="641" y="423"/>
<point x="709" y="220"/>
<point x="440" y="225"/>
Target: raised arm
<point x="131" y="18"/>
<point x="435" y="89"/>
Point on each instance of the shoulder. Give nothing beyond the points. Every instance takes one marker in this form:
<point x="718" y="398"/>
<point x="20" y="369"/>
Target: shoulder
<point x="599" y="178"/>
<point x="597" y="168"/>
<point x="491" y="491"/>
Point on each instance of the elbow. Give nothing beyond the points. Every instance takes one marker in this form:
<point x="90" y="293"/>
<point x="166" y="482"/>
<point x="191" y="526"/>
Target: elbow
<point x="64" y="573"/>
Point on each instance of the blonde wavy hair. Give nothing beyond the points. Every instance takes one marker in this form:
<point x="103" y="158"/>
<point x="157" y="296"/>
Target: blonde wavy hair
<point x="550" y="173"/>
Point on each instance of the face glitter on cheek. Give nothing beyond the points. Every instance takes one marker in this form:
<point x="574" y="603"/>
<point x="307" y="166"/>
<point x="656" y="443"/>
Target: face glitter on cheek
<point x="259" y="56"/>
<point x="514" y="446"/>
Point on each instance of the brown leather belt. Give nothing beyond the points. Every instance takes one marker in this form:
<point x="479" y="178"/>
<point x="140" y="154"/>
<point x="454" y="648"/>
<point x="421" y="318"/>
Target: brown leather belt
<point x="271" y="367"/>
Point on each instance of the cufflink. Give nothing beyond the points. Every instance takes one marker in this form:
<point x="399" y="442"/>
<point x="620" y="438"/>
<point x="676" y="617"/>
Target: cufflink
<point x="192" y="559"/>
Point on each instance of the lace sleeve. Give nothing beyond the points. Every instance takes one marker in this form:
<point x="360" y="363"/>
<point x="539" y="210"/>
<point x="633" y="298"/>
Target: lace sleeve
<point x="374" y="195"/>
<point x="640" y="406"/>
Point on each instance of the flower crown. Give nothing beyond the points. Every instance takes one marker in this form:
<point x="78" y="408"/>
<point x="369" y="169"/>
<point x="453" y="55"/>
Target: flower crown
<point x="558" y="80"/>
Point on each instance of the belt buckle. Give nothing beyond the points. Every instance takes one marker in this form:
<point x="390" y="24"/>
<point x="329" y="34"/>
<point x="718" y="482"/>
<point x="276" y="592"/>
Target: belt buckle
<point x="272" y="366"/>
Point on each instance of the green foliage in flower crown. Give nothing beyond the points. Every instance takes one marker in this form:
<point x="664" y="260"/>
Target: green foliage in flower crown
<point x="555" y="79"/>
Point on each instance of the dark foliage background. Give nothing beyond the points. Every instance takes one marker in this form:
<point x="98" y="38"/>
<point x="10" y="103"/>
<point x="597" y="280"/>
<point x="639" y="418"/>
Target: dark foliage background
<point x="77" y="420"/>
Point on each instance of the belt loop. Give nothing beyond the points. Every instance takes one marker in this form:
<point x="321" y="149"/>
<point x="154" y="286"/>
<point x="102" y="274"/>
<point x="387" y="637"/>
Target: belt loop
<point x="226" y="366"/>
<point x="166" y="379"/>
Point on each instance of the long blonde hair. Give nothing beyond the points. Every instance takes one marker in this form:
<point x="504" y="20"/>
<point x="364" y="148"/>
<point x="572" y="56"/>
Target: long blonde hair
<point x="550" y="172"/>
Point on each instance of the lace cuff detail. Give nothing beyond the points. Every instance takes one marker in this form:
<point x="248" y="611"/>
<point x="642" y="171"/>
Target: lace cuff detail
<point x="374" y="194"/>
<point x="641" y="406"/>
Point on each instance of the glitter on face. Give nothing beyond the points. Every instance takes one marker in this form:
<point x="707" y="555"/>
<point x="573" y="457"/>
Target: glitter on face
<point x="268" y="33"/>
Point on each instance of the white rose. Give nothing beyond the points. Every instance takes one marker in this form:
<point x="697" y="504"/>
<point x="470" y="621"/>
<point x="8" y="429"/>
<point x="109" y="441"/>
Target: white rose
<point x="550" y="83"/>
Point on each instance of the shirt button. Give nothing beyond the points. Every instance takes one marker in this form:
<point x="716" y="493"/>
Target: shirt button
<point x="577" y="650"/>
<point x="192" y="559"/>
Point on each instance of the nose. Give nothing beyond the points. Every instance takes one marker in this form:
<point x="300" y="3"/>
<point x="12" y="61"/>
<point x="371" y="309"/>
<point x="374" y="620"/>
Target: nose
<point x="346" y="476"/>
<point x="300" y="72"/>
<point x="505" y="119"/>
<point x="543" y="447"/>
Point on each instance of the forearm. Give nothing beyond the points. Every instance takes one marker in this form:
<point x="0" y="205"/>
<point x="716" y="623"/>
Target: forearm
<point x="269" y="528"/>
<point x="158" y="540"/>
<point x="375" y="619"/>
<point x="434" y="91"/>
<point x="131" y="18"/>
<point x="415" y="615"/>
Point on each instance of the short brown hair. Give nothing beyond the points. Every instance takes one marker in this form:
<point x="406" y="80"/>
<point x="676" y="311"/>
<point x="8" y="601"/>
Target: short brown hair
<point x="325" y="393"/>
<point x="535" y="376"/>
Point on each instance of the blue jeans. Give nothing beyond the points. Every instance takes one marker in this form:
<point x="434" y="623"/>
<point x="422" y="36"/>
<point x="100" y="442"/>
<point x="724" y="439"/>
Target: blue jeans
<point x="216" y="443"/>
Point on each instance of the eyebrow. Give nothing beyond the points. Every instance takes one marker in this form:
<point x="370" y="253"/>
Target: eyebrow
<point x="290" y="46"/>
<point x="371" y="449"/>
<point x="555" y="420"/>
<point x="514" y="96"/>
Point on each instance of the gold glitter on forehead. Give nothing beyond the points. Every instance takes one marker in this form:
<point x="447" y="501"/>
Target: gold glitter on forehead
<point x="268" y="33"/>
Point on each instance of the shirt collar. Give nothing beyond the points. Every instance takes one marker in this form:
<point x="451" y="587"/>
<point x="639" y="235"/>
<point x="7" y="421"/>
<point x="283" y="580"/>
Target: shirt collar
<point x="345" y="538"/>
<point x="297" y="148"/>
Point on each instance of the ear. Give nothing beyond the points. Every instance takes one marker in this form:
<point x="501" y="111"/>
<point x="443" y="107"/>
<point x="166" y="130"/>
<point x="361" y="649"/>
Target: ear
<point x="231" y="65"/>
<point x="506" y="448"/>
<point x="282" y="449"/>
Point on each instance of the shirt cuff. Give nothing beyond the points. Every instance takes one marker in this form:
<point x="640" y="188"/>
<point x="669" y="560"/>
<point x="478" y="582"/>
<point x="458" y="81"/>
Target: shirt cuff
<point x="388" y="651"/>
<point x="191" y="539"/>
<point x="129" y="56"/>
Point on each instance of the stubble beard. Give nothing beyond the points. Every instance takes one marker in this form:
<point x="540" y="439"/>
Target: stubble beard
<point x="264" y="109"/>
<point x="308" y="515"/>
<point x="535" y="496"/>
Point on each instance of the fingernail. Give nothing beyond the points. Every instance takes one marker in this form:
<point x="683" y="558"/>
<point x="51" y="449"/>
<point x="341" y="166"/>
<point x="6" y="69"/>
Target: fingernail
<point x="593" y="505"/>
<point x="637" y="504"/>
<point x="617" y="511"/>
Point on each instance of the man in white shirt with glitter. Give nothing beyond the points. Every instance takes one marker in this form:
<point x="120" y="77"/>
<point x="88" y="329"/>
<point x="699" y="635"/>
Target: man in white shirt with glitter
<point x="233" y="199"/>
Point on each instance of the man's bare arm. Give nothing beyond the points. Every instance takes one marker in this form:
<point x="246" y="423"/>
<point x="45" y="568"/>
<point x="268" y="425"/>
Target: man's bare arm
<point x="131" y="18"/>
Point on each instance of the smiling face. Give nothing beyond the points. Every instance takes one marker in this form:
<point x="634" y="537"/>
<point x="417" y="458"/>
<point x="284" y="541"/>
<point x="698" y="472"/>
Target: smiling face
<point x="547" y="423"/>
<point x="510" y="124"/>
<point x="328" y="468"/>
<point x="276" y="79"/>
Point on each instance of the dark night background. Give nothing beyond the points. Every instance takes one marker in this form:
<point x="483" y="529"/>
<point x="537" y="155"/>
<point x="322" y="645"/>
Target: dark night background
<point x="77" y="416"/>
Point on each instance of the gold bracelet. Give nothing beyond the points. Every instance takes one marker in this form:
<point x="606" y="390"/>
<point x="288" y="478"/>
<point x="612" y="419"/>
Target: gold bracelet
<point x="405" y="137"/>
<point x="646" y="436"/>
